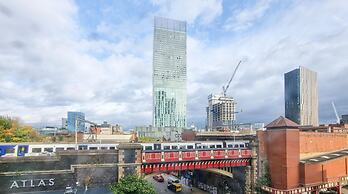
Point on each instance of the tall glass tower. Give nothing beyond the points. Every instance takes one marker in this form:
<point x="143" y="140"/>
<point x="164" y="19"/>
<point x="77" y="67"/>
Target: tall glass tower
<point x="301" y="96"/>
<point x="169" y="73"/>
<point x="74" y="117"/>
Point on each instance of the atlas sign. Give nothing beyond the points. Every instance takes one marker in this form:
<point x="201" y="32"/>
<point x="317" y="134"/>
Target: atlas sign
<point x="16" y="184"/>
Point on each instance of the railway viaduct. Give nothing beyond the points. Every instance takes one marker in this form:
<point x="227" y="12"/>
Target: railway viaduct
<point x="103" y="167"/>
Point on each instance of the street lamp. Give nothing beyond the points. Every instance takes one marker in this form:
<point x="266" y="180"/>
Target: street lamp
<point x="76" y="148"/>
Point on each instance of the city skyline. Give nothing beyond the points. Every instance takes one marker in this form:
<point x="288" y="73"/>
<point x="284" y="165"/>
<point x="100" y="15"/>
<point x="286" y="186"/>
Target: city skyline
<point x="67" y="55"/>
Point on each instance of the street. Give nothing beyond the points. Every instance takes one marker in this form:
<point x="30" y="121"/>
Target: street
<point x="161" y="187"/>
<point x="101" y="190"/>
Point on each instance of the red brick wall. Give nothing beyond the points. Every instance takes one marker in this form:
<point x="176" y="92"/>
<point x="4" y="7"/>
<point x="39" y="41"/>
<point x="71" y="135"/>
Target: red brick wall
<point x="283" y="157"/>
<point x="314" y="142"/>
<point x="188" y="135"/>
<point x="328" y="171"/>
<point x="311" y="173"/>
<point x="261" y="137"/>
<point x="334" y="169"/>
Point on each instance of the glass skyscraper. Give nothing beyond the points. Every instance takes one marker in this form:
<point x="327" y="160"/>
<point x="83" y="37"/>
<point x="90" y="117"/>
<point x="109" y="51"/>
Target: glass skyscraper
<point x="169" y="73"/>
<point x="72" y="117"/>
<point x="301" y="96"/>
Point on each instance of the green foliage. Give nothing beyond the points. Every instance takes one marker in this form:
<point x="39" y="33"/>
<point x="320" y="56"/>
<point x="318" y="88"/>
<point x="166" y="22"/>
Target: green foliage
<point x="147" y="139"/>
<point x="133" y="184"/>
<point x="265" y="180"/>
<point x="12" y="131"/>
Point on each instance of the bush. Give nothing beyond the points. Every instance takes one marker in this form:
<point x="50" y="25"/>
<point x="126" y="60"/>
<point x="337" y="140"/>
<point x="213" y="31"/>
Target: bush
<point x="133" y="184"/>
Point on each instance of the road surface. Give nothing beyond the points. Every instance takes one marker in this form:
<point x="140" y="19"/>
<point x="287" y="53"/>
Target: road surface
<point x="161" y="187"/>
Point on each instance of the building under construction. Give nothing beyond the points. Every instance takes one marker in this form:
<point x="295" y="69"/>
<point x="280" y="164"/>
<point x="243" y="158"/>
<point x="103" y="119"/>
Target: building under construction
<point x="220" y="112"/>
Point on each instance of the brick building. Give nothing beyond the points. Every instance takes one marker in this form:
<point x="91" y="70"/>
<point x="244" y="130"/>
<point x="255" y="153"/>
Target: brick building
<point x="299" y="161"/>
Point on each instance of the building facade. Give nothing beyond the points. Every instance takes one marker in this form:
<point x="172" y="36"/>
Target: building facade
<point x="169" y="73"/>
<point x="220" y="112"/>
<point x="161" y="133"/>
<point x="64" y="123"/>
<point x="301" y="96"/>
<point x="344" y="119"/>
<point x="74" y="117"/>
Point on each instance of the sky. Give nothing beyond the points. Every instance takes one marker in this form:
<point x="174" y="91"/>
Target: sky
<point x="96" y="56"/>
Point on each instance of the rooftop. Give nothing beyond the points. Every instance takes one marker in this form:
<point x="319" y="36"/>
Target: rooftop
<point x="282" y="123"/>
<point x="326" y="156"/>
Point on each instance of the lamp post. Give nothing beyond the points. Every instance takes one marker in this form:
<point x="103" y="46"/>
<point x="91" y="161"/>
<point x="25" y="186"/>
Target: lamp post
<point x="76" y="134"/>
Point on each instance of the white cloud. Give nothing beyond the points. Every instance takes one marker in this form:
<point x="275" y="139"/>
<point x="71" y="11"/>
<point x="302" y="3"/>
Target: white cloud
<point x="204" y="10"/>
<point x="310" y="34"/>
<point x="245" y="18"/>
<point x="47" y="68"/>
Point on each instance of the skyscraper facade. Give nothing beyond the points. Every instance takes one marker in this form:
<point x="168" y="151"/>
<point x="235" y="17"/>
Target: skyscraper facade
<point x="169" y="73"/>
<point x="301" y="96"/>
<point x="74" y="117"/>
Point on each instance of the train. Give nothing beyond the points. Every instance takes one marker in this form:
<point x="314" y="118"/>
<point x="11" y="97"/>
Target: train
<point x="39" y="149"/>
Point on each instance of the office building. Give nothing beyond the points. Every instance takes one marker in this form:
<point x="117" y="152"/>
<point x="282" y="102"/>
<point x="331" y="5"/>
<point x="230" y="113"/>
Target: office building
<point x="64" y="123"/>
<point x="76" y="119"/>
<point x="169" y="73"/>
<point x="301" y="96"/>
<point x="344" y="119"/>
<point x="221" y="112"/>
<point x="160" y="133"/>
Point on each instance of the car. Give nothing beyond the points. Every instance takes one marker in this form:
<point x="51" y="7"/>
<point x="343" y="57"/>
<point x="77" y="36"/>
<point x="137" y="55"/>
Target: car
<point x="70" y="190"/>
<point x="158" y="178"/>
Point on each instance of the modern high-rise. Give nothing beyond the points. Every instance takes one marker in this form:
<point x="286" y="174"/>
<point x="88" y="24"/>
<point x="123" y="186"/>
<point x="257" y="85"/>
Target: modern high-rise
<point x="220" y="112"/>
<point x="301" y="96"/>
<point x="76" y="119"/>
<point x="169" y="73"/>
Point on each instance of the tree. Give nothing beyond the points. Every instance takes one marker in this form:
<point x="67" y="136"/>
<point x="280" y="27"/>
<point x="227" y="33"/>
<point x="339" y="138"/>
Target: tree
<point x="264" y="180"/>
<point x="12" y="131"/>
<point x="133" y="184"/>
<point x="147" y="139"/>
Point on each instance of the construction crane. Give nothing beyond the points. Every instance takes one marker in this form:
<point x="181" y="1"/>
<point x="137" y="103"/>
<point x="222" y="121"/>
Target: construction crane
<point x="337" y="117"/>
<point x="225" y="88"/>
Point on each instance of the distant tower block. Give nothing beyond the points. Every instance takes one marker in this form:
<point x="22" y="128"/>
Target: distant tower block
<point x="301" y="96"/>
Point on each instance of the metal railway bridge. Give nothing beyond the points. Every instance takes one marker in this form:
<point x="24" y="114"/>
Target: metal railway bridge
<point x="161" y="161"/>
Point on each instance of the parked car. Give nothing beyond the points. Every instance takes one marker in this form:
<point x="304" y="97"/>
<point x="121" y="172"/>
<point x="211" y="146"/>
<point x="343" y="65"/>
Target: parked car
<point x="70" y="190"/>
<point x="158" y="178"/>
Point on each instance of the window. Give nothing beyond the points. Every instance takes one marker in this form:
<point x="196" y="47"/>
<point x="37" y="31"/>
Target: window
<point x="174" y="147"/>
<point x="230" y="146"/>
<point x="93" y="148"/>
<point x="70" y="148"/>
<point x="190" y="147"/>
<point x="36" y="150"/>
<point x="112" y="148"/>
<point x="59" y="149"/>
<point x="148" y="147"/>
<point x="166" y="147"/>
<point x="103" y="148"/>
<point x="182" y="147"/>
<point x="218" y="146"/>
<point x="48" y="149"/>
<point x="236" y="146"/>
<point x="212" y="146"/>
<point x="241" y="145"/>
<point x="82" y="147"/>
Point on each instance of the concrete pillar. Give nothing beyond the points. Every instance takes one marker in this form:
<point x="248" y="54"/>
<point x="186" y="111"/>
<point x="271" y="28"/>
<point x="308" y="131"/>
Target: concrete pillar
<point x="248" y="184"/>
<point x="253" y="163"/>
<point x="129" y="159"/>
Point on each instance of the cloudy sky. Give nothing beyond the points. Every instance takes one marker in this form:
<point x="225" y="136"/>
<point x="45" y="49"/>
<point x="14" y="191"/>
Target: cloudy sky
<point x="96" y="56"/>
